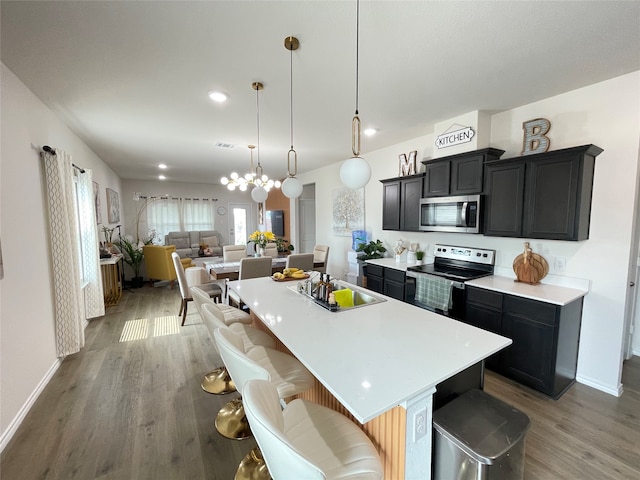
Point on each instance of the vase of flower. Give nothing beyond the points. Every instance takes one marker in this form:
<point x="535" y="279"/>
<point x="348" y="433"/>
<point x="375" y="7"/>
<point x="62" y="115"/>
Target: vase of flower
<point x="261" y="239"/>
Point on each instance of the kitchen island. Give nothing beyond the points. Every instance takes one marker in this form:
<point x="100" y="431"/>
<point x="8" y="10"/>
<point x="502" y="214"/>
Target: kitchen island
<point x="379" y="362"/>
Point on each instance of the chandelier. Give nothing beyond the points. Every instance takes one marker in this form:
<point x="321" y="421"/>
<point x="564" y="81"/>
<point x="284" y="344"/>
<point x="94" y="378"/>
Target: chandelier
<point x="256" y="177"/>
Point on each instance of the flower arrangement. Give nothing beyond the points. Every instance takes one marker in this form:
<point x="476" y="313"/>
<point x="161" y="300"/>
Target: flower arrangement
<point x="262" y="238"/>
<point x="108" y="233"/>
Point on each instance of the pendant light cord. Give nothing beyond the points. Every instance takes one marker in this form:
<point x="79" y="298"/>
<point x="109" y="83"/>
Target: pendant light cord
<point x="291" y="93"/>
<point x="259" y="166"/>
<point x="357" y="51"/>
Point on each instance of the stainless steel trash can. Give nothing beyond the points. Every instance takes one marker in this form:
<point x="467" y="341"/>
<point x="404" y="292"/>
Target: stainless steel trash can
<point x="478" y="437"/>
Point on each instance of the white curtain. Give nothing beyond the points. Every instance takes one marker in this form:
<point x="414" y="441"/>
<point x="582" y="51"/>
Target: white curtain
<point x="93" y="294"/>
<point x="163" y="216"/>
<point x="198" y="214"/>
<point x="63" y="242"/>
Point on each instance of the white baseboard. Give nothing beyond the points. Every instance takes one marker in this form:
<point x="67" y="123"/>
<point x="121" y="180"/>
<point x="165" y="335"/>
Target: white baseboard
<point x="8" y="434"/>
<point x="600" y="386"/>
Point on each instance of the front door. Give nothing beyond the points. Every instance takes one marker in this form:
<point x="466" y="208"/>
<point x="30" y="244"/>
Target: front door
<point x="240" y="223"/>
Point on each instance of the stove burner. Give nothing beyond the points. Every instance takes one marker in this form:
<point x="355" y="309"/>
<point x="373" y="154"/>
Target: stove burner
<point x="458" y="263"/>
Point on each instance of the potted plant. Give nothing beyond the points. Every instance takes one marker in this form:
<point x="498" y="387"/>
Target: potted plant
<point x="133" y="256"/>
<point x="419" y="257"/>
<point x="283" y="248"/>
<point x="371" y="250"/>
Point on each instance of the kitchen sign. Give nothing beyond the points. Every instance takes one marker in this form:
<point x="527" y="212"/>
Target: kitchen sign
<point x="456" y="137"/>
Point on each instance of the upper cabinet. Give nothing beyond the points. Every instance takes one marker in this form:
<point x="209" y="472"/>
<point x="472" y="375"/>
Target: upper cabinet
<point x="546" y="195"/>
<point x="460" y="174"/>
<point x="401" y="202"/>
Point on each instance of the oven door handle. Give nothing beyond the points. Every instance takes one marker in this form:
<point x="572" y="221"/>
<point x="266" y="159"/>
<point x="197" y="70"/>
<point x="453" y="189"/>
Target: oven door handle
<point x="465" y="206"/>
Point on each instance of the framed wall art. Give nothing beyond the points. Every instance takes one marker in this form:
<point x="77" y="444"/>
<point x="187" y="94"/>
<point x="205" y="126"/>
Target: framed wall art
<point x="113" y="206"/>
<point x="348" y="211"/>
<point x="96" y="202"/>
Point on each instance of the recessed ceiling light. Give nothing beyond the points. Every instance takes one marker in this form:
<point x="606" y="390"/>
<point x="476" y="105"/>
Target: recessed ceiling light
<point x="161" y="177"/>
<point x="162" y="166"/>
<point x="370" y="131"/>
<point x="217" y="96"/>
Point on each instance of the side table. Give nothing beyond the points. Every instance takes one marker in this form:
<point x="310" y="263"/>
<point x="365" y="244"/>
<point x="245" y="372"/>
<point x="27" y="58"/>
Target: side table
<point x="111" y="269"/>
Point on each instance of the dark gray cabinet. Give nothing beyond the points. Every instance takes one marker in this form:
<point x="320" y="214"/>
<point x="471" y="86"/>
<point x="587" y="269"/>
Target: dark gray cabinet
<point x="460" y="174"/>
<point x="401" y="202"/>
<point x="544" y="353"/>
<point x="388" y="281"/>
<point x="546" y="195"/>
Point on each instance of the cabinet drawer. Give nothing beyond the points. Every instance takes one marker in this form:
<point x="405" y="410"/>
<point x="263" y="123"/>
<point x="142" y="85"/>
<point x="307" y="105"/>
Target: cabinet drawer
<point x="487" y="298"/>
<point x="375" y="270"/>
<point x="541" y="312"/>
<point x="394" y="275"/>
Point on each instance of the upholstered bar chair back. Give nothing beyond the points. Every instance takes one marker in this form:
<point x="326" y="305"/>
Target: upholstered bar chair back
<point x="303" y="261"/>
<point x="200" y="299"/>
<point x="240" y="366"/>
<point x="321" y="255"/>
<point x="233" y="253"/>
<point x="254" y="267"/>
<point x="307" y="440"/>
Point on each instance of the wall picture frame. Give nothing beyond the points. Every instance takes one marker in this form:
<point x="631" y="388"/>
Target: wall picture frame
<point x="96" y="202"/>
<point x="113" y="206"/>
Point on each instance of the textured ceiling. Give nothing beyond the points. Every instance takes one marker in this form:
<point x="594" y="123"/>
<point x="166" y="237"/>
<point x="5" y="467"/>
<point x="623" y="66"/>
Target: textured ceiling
<point x="131" y="78"/>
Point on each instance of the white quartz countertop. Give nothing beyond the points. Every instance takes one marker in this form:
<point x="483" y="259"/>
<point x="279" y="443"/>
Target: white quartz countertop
<point x="374" y="357"/>
<point x="544" y="292"/>
<point x="391" y="263"/>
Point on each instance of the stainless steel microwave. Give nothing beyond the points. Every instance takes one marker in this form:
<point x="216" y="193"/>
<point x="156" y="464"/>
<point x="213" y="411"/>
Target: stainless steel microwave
<point x="451" y="214"/>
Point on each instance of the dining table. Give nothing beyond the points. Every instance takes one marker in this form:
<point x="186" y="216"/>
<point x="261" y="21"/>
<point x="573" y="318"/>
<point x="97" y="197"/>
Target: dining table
<point x="221" y="270"/>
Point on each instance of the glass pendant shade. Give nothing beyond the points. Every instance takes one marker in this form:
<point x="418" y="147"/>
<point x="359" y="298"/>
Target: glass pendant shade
<point x="259" y="194"/>
<point x="292" y="187"/>
<point x="355" y="173"/>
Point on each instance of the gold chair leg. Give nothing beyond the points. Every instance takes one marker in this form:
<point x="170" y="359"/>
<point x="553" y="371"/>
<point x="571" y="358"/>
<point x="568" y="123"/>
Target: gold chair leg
<point x="218" y="382"/>
<point x="253" y="467"/>
<point x="231" y="421"/>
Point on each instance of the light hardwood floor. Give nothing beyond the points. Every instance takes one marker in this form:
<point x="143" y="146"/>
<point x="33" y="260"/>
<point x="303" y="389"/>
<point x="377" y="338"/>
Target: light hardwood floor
<point x="135" y="410"/>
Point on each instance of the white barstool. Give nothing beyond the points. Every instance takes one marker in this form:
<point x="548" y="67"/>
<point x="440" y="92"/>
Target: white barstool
<point x="287" y="375"/>
<point x="218" y="381"/>
<point x="307" y="440"/>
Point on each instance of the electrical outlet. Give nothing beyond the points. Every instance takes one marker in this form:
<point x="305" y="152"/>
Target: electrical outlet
<point x="560" y="264"/>
<point x="419" y="424"/>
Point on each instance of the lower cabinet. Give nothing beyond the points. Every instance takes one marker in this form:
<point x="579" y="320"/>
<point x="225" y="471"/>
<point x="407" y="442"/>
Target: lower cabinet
<point x="545" y="336"/>
<point x="388" y="281"/>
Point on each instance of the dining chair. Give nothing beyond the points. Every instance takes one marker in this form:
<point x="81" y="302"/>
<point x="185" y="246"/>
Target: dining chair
<point x="303" y="261"/>
<point x="271" y="250"/>
<point x="233" y="253"/>
<point x="321" y="255"/>
<point x="307" y="440"/>
<point x="212" y="289"/>
<point x="250" y="267"/>
<point x="287" y="374"/>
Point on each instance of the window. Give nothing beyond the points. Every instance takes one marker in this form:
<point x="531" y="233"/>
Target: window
<point x="163" y="216"/>
<point x="198" y="213"/>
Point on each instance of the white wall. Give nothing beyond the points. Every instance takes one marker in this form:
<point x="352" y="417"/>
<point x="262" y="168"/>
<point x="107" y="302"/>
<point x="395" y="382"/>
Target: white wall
<point x="606" y="114"/>
<point x="27" y="345"/>
<point x="155" y="188"/>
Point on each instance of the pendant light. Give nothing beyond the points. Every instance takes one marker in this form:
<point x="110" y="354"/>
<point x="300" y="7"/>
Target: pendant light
<point x="291" y="187"/>
<point x="356" y="172"/>
<point x="261" y="182"/>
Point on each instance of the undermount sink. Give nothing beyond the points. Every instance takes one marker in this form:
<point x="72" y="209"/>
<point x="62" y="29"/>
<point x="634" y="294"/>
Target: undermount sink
<point x="360" y="297"/>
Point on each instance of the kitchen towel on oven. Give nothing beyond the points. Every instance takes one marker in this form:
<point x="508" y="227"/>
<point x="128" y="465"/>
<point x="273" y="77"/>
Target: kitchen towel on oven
<point x="434" y="292"/>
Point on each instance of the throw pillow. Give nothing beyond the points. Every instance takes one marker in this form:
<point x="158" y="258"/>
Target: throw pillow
<point x="210" y="241"/>
<point x="180" y="243"/>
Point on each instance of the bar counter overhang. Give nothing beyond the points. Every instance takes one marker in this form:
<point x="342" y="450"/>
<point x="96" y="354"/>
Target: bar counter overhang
<point x="379" y="363"/>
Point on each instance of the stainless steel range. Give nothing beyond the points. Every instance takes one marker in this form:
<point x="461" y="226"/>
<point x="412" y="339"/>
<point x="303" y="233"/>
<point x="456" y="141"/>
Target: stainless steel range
<point x="439" y="286"/>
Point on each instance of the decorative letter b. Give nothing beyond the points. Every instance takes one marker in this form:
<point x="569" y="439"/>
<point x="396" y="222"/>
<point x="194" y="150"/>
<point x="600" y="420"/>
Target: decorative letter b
<point x="535" y="140"/>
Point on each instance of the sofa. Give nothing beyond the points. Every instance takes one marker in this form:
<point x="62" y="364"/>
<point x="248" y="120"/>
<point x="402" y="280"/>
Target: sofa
<point x="188" y="243"/>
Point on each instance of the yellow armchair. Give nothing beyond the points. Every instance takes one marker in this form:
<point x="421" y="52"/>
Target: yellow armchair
<point x="158" y="262"/>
